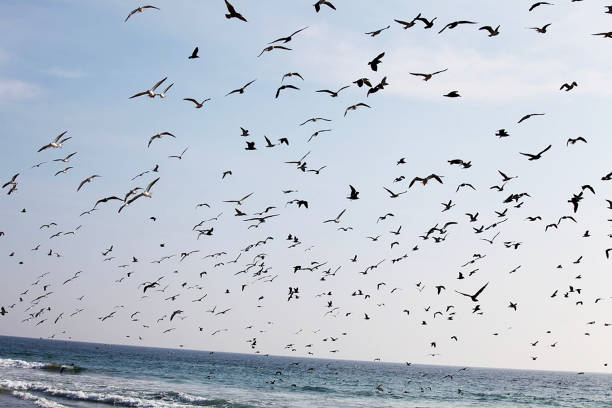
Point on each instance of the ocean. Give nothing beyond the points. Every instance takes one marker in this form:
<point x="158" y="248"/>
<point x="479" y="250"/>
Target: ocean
<point x="55" y="374"/>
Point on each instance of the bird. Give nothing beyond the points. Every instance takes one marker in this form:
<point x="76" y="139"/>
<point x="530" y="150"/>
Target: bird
<point x="427" y="77"/>
<point x="454" y="24"/>
<point x="57" y="143"/>
<point x="492" y="31"/>
<point x="394" y="195"/>
<point x="241" y="90"/>
<point x="320" y="3"/>
<point x="285" y="87"/>
<point x="568" y="87"/>
<point x="573" y="141"/>
<point x="377" y="60"/>
<point x="87" y="180"/>
<point x="197" y="104"/>
<point x="524" y="118"/>
<point x="452" y="94"/>
<point x="145" y="193"/>
<point x="149" y="92"/>
<point x="180" y="156"/>
<point x="539" y="3"/>
<point x="474" y="297"/>
<point x="354" y="194"/>
<point x="426" y="179"/>
<point x="64" y="171"/>
<point x="377" y="32"/>
<point x="292" y="74"/>
<point x="194" y="54"/>
<point x="163" y="93"/>
<point x="239" y="202"/>
<point x="536" y="156"/>
<point x="332" y="93"/>
<point x="273" y="47"/>
<point x="65" y="159"/>
<point x="541" y="30"/>
<point x="139" y="10"/>
<point x="337" y="219"/>
<point x="354" y="107"/>
<point x="232" y="13"/>
<point x="288" y="38"/>
<point x="159" y="136"/>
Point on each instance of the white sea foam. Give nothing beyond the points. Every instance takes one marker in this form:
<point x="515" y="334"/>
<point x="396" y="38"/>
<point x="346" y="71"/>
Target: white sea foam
<point x="21" y="388"/>
<point x="10" y="363"/>
<point x="38" y="401"/>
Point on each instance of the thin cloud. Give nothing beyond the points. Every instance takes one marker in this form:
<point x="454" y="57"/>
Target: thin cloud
<point x="13" y="90"/>
<point x="65" y="73"/>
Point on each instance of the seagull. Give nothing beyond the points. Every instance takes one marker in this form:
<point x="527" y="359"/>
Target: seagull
<point x="87" y="180"/>
<point x="139" y="10"/>
<point x="239" y="202"/>
<point x="427" y="77"/>
<point x="454" y="24"/>
<point x="492" y="32"/>
<point x="573" y="141"/>
<point x="180" y="156"/>
<point x="337" y="219"/>
<point x="536" y="156"/>
<point x="66" y="159"/>
<point x="198" y="105"/>
<point x="159" y="136"/>
<point x="146" y="193"/>
<point x="292" y="74"/>
<point x="426" y="179"/>
<point x="332" y="93"/>
<point x="273" y="47"/>
<point x="150" y="92"/>
<point x="285" y="87"/>
<point x="241" y="90"/>
<point x="568" y="87"/>
<point x="378" y="60"/>
<point x="163" y="94"/>
<point x="64" y="171"/>
<point x="354" y="107"/>
<point x="354" y="194"/>
<point x="529" y="116"/>
<point x="541" y="30"/>
<point x="57" y="142"/>
<point x="376" y="32"/>
<point x="474" y="297"/>
<point x="288" y="38"/>
<point x="232" y="13"/>
<point x="194" y="54"/>
<point x="320" y="3"/>
<point x="539" y="3"/>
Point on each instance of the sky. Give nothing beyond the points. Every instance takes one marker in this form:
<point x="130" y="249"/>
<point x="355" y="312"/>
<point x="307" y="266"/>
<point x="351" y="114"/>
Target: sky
<point x="72" y="65"/>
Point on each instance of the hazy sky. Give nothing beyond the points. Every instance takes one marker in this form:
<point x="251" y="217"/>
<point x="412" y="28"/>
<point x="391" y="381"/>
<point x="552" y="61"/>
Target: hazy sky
<point x="71" y="65"/>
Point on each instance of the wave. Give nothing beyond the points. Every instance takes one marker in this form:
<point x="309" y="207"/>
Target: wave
<point x="62" y="368"/>
<point x="155" y="400"/>
<point x="38" y="401"/>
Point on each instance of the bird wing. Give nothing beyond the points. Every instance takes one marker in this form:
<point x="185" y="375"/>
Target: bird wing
<point x="191" y="100"/>
<point x="230" y="8"/>
<point x="138" y="94"/>
<point x="149" y="186"/>
<point x="480" y="290"/>
<point x="158" y="84"/>
<point x="545" y="150"/>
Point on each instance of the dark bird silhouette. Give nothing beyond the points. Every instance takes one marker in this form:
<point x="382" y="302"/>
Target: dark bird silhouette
<point x="378" y="60"/>
<point x="354" y="194"/>
<point x="536" y="156"/>
<point x="492" y="31"/>
<point x="285" y="87"/>
<point x="454" y="24"/>
<point x="320" y="3"/>
<point x="194" y="54"/>
<point x="474" y="297"/>
<point x="427" y="77"/>
<point x="139" y="10"/>
<point x="232" y="13"/>
<point x="241" y="90"/>
<point x="377" y="32"/>
<point x="288" y="38"/>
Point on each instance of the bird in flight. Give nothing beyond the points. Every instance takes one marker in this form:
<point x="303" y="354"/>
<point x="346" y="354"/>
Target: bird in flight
<point x="288" y="38"/>
<point x="232" y="13"/>
<point x="492" y="31"/>
<point x="197" y="104"/>
<point x="536" y="156"/>
<point x="139" y="10"/>
<point x="474" y="297"/>
<point x="57" y="143"/>
<point x="241" y="90"/>
<point x="427" y="77"/>
<point x="149" y="92"/>
<point x="320" y="3"/>
<point x="454" y="24"/>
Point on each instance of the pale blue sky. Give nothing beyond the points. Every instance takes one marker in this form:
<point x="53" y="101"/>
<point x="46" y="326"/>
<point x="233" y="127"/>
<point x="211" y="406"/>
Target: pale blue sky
<point x="71" y="65"/>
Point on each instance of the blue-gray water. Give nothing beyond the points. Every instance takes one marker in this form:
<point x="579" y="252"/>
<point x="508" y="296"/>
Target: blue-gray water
<point x="109" y="375"/>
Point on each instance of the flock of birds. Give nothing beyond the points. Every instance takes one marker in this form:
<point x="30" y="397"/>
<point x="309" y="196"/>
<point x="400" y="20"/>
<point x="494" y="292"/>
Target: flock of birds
<point x="35" y="306"/>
